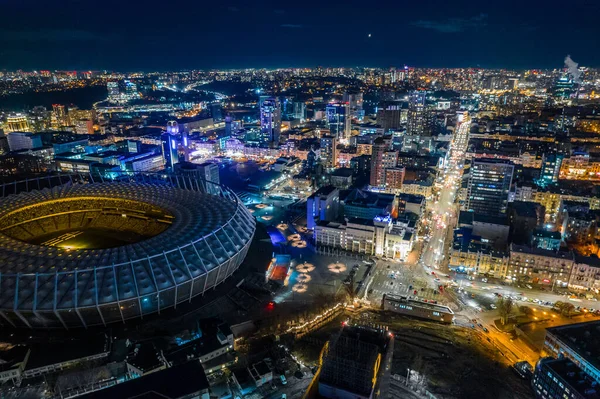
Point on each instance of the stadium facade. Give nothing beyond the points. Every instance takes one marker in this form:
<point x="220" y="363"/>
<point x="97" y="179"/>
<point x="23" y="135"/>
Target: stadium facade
<point x="175" y="237"/>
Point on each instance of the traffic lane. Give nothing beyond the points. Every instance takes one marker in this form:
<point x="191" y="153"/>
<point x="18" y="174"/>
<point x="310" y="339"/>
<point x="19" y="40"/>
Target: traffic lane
<point x="397" y="279"/>
<point x="544" y="296"/>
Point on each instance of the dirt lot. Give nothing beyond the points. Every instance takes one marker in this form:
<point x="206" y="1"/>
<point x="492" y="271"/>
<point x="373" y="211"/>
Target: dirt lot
<point x="456" y="362"/>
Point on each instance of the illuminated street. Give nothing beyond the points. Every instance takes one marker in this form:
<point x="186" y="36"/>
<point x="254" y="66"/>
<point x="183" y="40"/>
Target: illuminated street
<point x="443" y="209"/>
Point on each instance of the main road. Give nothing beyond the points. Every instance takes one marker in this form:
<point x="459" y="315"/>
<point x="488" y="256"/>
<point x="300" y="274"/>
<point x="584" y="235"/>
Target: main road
<point x="443" y="210"/>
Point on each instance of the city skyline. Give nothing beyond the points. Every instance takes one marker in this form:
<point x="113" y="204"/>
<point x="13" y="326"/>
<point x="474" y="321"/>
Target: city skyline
<point x="237" y="35"/>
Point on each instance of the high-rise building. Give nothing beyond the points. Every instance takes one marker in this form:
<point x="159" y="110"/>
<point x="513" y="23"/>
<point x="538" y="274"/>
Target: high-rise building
<point x="228" y="125"/>
<point x="389" y="115"/>
<point x="131" y="91"/>
<point x="270" y="121"/>
<point x="489" y="185"/>
<point x="329" y="151"/>
<point x="300" y="110"/>
<point x="169" y="144"/>
<point x="322" y="205"/>
<point x="113" y="90"/>
<point x="216" y="111"/>
<point x="420" y="118"/>
<point x="377" y="168"/>
<point x="59" y="118"/>
<point x="551" y="164"/>
<point x="355" y="102"/>
<point x="17" y="123"/>
<point x="338" y="120"/>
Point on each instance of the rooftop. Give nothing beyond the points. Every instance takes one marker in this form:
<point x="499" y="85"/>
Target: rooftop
<point x="48" y="354"/>
<point x="582" y="338"/>
<point x="525" y="209"/>
<point x="179" y="381"/>
<point x="568" y="255"/>
<point x="574" y="376"/>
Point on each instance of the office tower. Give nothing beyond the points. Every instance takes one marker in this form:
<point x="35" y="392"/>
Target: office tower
<point x="216" y="111"/>
<point x="300" y="110"/>
<point x="17" y="123"/>
<point x="377" y="169"/>
<point x="58" y="119"/>
<point x="228" y="125"/>
<point x="169" y="144"/>
<point x="489" y="184"/>
<point x="113" y="90"/>
<point x="551" y="164"/>
<point x="420" y="118"/>
<point x="389" y="115"/>
<point x="131" y="91"/>
<point x="329" y="151"/>
<point x="355" y="102"/>
<point x="270" y="121"/>
<point x="338" y="120"/>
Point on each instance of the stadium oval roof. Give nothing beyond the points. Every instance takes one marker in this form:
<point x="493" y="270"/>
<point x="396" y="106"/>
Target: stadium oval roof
<point x="202" y="237"/>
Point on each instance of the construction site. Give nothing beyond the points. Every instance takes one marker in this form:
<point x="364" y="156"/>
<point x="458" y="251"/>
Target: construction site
<point x="440" y="361"/>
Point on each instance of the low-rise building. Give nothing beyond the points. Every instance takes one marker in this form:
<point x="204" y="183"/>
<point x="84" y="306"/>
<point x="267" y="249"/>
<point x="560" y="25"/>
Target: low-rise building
<point x="561" y="379"/>
<point x="381" y="236"/>
<point x="261" y="373"/>
<point x="341" y="178"/>
<point x="585" y="274"/>
<point x="367" y="205"/>
<point x="539" y="266"/>
<point x="13" y="362"/>
<point x="184" y="381"/>
<point x="469" y="252"/>
<point x="493" y="230"/>
<point x="578" y="343"/>
<point x="49" y="358"/>
<point x="544" y="239"/>
<point x="417" y="308"/>
<point x="578" y="227"/>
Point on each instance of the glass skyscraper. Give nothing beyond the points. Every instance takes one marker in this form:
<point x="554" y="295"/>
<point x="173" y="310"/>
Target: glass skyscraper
<point x="338" y="120"/>
<point x="270" y="121"/>
<point x="489" y="184"/>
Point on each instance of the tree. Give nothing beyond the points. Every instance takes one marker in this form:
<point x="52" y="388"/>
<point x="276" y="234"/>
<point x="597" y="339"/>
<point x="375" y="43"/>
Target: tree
<point x="567" y="309"/>
<point x="526" y="310"/>
<point x="505" y="308"/>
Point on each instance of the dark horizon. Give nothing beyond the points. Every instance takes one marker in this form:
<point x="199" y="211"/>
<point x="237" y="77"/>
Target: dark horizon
<point x="184" y="35"/>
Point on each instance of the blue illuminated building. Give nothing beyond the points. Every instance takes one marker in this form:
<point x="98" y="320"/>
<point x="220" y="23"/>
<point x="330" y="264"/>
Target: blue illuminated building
<point x="338" y="120"/>
<point x="270" y="121"/>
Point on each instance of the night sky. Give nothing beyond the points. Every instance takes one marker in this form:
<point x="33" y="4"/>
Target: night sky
<point x="130" y="35"/>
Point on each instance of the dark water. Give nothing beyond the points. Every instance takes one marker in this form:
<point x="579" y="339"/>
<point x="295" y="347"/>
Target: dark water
<point x="83" y="98"/>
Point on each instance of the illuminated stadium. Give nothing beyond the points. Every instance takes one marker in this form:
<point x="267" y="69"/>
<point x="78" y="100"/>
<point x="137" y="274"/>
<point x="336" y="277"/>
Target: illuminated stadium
<point x="77" y="251"/>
